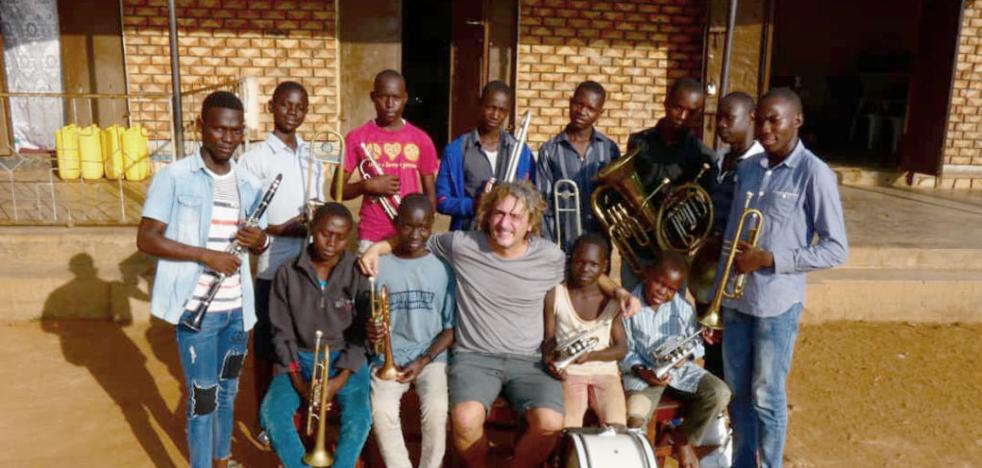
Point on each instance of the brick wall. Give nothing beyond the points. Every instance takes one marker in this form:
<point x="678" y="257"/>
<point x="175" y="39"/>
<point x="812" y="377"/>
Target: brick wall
<point x="273" y="40"/>
<point x="634" y="48"/>
<point x="963" y="146"/>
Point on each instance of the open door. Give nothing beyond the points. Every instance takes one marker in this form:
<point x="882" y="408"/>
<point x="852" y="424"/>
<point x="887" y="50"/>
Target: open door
<point x="929" y="98"/>
<point x="749" y="60"/>
<point x="468" y="63"/>
<point x="483" y="44"/>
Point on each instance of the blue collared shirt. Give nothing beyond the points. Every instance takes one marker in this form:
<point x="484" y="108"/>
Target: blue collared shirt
<point x="181" y="196"/>
<point x="803" y="227"/>
<point x="558" y="159"/>
<point x="649" y="329"/>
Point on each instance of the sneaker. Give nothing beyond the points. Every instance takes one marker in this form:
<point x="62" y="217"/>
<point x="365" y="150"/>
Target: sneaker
<point x="263" y="439"/>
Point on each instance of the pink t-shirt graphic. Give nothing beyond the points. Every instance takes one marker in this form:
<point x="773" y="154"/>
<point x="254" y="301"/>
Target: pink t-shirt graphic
<point x="404" y="153"/>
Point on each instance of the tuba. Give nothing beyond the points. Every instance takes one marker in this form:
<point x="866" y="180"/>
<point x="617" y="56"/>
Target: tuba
<point x="745" y="232"/>
<point x="382" y="315"/>
<point x="681" y="221"/>
<point x="318" y="405"/>
<point x="624" y="210"/>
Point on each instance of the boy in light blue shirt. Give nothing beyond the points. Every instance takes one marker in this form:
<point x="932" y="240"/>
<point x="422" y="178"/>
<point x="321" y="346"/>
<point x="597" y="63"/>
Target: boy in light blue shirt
<point x="665" y="315"/>
<point x="421" y="302"/>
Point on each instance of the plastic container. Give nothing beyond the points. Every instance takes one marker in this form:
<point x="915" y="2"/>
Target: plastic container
<point x="112" y="151"/>
<point x="66" y="152"/>
<point x="90" y="152"/>
<point x="136" y="153"/>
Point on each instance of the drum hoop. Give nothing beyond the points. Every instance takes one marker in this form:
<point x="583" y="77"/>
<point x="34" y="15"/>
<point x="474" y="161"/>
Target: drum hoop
<point x="642" y="443"/>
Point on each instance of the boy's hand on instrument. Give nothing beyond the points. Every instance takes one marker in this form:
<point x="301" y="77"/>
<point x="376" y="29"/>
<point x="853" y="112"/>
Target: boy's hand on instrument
<point x="585" y="357"/>
<point x="649" y="376"/>
<point x="375" y="331"/>
<point x="368" y="262"/>
<point x="224" y="263"/>
<point x="382" y="185"/>
<point x="409" y="373"/>
<point x="711" y="336"/>
<point x="251" y="237"/>
<point x="555" y="373"/>
<point x="750" y="259"/>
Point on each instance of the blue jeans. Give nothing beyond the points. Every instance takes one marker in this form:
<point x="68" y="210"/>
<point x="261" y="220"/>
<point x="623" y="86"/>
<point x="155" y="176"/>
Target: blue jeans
<point x="281" y="403"/>
<point x="212" y="361"/>
<point x="756" y="360"/>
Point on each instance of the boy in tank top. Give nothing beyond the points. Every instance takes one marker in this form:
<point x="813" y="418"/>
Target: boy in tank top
<point x="578" y="305"/>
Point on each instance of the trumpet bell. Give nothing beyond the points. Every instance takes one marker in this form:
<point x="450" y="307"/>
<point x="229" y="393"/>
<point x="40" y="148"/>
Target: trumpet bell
<point x="318" y="458"/>
<point x="702" y="272"/>
<point x="712" y="319"/>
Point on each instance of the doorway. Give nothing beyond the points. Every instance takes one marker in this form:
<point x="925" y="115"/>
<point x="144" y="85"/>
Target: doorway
<point x="450" y="50"/>
<point x="860" y="82"/>
<point x="425" y="64"/>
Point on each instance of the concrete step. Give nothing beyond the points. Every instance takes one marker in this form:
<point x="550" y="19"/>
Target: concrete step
<point x="892" y="294"/>
<point x="865" y="257"/>
<point x="90" y="272"/>
<point x="77" y="273"/>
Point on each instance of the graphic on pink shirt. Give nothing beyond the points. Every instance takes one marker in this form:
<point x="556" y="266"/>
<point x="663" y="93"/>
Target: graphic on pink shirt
<point x="407" y="153"/>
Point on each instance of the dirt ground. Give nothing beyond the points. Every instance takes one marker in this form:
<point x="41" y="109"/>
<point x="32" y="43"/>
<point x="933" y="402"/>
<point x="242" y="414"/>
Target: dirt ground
<point x="98" y="394"/>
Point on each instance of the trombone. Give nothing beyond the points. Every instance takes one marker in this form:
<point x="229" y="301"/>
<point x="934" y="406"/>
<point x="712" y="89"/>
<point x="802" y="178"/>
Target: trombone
<point x="318" y="405"/>
<point x="565" y="192"/>
<point x="711" y="318"/>
<point x="326" y="148"/>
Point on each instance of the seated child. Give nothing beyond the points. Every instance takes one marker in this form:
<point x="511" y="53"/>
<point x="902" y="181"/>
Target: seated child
<point x="322" y="289"/>
<point x="664" y="316"/>
<point x="578" y="305"/>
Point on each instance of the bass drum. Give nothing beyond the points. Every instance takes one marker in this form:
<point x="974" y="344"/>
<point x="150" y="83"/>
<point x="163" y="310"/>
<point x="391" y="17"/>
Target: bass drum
<point x="606" y="448"/>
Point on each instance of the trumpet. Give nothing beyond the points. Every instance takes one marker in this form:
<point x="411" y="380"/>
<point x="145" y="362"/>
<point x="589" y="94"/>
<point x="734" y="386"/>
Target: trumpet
<point x="674" y="351"/>
<point x="318" y="405"/>
<point x="382" y="315"/>
<point x="711" y="317"/>
<point x="369" y="168"/>
<point x="570" y="349"/>
<point x="564" y="193"/>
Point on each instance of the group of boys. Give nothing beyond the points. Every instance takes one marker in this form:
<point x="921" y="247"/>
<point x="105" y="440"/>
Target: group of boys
<point x="478" y="290"/>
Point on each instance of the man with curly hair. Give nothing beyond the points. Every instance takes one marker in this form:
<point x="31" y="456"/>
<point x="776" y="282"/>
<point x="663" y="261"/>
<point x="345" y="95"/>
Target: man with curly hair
<point x="503" y="271"/>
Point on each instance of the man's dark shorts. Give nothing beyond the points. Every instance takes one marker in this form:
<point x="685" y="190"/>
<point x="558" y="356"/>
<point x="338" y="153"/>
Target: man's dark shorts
<point x="522" y="380"/>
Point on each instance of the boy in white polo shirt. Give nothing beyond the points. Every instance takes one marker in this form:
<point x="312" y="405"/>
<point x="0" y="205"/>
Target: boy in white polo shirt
<point x="283" y="152"/>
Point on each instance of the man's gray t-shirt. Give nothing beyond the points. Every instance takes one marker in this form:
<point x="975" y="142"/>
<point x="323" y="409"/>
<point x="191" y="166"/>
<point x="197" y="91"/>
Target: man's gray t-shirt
<point x="499" y="301"/>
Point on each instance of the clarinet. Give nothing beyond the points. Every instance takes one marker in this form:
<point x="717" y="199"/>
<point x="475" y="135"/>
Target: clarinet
<point x="194" y="322"/>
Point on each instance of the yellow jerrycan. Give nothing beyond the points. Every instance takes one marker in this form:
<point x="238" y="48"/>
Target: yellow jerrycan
<point x="90" y="151"/>
<point x="136" y="153"/>
<point x="66" y="151"/>
<point x="112" y="151"/>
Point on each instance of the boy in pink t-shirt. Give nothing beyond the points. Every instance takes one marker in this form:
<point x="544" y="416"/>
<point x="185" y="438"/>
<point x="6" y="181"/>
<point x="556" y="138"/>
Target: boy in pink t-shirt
<point x="401" y="149"/>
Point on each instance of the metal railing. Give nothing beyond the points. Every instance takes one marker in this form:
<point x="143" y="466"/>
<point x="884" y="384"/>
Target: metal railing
<point x="32" y="191"/>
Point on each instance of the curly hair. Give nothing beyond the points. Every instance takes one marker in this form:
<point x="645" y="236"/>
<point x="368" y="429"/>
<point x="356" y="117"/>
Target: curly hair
<point x="524" y="192"/>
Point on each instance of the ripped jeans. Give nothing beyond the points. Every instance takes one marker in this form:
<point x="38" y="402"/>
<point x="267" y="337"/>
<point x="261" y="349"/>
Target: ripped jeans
<point x="212" y="361"/>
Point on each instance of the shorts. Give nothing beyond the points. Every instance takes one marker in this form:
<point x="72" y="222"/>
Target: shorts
<point x="522" y="379"/>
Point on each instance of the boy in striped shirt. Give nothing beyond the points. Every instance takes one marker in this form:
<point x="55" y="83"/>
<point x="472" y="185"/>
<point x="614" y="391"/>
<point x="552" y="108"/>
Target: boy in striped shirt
<point x="190" y="217"/>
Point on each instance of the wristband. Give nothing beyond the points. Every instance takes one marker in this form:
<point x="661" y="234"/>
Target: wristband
<point x="294" y="367"/>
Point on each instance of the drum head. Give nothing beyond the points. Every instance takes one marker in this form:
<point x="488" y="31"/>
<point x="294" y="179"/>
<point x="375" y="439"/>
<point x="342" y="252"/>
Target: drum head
<point x="590" y="448"/>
